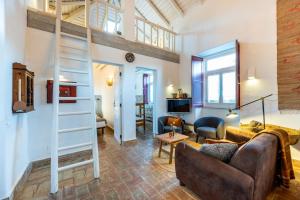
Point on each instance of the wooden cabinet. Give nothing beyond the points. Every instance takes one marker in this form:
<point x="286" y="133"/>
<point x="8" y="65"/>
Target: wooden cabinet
<point x="23" y="91"/>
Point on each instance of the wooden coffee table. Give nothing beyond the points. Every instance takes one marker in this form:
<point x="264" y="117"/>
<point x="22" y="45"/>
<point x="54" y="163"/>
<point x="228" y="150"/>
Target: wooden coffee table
<point x="165" y="138"/>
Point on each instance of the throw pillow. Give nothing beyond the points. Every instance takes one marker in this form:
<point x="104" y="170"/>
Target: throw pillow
<point x="220" y="151"/>
<point x="254" y="123"/>
<point x="174" y="121"/>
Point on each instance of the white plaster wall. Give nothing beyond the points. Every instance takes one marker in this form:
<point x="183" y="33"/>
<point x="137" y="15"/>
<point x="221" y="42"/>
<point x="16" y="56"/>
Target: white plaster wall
<point x="139" y="84"/>
<point x="13" y="127"/>
<point x="107" y="92"/>
<point x="253" y="23"/>
<point x="39" y="46"/>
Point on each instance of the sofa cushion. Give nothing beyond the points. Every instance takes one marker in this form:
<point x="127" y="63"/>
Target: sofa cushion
<point x="169" y="129"/>
<point x="207" y="132"/>
<point x="220" y="151"/>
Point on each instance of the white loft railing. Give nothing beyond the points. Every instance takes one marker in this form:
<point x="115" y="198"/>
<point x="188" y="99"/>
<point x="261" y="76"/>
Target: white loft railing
<point x="152" y="34"/>
<point x="103" y="16"/>
<point x="106" y="17"/>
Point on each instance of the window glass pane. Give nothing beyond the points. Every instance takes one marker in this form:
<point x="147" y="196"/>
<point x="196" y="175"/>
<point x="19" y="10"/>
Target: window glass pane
<point x="229" y="87"/>
<point x="221" y="62"/>
<point x="213" y="88"/>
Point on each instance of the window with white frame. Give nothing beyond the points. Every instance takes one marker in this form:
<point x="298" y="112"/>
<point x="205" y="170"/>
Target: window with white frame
<point x="220" y="79"/>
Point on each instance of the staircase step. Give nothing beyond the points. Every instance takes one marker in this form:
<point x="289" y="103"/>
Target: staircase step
<point x="73" y="47"/>
<point x="75" y="146"/>
<point x="73" y="36"/>
<point x="73" y="71"/>
<point x="73" y="58"/>
<point x="75" y="165"/>
<point x="74" y="113"/>
<point x="73" y="84"/>
<point x="74" y="129"/>
<point x="73" y="98"/>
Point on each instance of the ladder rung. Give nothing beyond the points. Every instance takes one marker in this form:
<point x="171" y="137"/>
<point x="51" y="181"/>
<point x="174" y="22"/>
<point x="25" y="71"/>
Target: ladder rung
<point x="74" y="113"/>
<point x="73" y="98"/>
<point x="74" y="146"/>
<point x="74" y="129"/>
<point x="73" y="58"/>
<point x="86" y="162"/>
<point x="73" y="84"/>
<point x="72" y="47"/>
<point x="73" y="36"/>
<point x="73" y="71"/>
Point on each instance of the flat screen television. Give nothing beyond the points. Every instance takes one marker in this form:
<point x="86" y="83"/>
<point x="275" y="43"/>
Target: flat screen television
<point x="178" y="105"/>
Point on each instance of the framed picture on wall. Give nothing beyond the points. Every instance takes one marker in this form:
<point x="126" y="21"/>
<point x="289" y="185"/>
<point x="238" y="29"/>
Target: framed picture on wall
<point x="64" y="91"/>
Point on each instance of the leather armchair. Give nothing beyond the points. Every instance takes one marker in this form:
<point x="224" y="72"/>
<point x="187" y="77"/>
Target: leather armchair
<point x="209" y="127"/>
<point x="163" y="127"/>
<point x="250" y="174"/>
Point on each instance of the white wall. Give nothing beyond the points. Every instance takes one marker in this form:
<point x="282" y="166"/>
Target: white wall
<point x="107" y="92"/>
<point x="253" y="23"/>
<point x="13" y="127"/>
<point x="43" y="43"/>
<point x="139" y="84"/>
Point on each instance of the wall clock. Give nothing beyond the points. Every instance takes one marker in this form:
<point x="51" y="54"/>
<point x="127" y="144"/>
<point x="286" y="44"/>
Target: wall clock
<point x="129" y="57"/>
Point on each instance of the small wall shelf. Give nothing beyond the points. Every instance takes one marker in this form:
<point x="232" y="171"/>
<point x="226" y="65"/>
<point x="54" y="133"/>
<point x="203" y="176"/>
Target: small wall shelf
<point x="23" y="91"/>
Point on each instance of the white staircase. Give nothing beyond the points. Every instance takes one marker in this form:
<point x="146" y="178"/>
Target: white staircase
<point x="73" y="63"/>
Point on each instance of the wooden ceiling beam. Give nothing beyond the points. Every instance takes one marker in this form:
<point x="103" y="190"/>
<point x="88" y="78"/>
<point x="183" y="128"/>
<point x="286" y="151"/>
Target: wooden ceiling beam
<point x="140" y="13"/>
<point x="158" y="12"/>
<point x="73" y="3"/>
<point x="178" y="8"/>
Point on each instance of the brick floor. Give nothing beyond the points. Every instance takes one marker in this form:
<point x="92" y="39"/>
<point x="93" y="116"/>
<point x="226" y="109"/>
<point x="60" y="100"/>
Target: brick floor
<point x="127" y="172"/>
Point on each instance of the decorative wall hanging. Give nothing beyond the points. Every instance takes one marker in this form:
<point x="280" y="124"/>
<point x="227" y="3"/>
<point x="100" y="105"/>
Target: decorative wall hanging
<point x="129" y="57"/>
<point x="288" y="57"/>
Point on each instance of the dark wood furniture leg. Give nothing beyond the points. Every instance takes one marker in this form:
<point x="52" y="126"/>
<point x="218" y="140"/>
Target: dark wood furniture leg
<point x="160" y="147"/>
<point x="171" y="153"/>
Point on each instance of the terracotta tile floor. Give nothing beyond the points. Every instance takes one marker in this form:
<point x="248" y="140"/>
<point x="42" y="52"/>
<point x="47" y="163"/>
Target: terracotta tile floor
<point x="127" y="172"/>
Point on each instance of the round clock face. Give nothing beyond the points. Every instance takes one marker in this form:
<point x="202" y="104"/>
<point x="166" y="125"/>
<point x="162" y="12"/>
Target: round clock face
<point x="129" y="57"/>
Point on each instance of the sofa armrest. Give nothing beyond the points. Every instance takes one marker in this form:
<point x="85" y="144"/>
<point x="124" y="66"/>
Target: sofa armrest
<point x="205" y="175"/>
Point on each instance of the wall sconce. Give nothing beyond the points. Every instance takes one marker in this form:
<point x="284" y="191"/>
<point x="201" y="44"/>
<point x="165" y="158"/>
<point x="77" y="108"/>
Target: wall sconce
<point x="110" y="82"/>
<point x="251" y="73"/>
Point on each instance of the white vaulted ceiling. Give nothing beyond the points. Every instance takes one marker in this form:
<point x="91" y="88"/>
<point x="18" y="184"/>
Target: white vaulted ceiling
<point x="163" y="12"/>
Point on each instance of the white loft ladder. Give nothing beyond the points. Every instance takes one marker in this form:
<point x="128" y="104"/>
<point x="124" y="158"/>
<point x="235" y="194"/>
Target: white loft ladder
<point x="73" y="59"/>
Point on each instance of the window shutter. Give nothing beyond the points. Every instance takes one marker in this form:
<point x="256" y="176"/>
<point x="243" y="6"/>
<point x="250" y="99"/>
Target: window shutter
<point x="238" y="92"/>
<point x="197" y="82"/>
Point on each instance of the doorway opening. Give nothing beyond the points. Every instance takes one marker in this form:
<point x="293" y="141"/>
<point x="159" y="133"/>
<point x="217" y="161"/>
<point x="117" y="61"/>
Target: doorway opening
<point x="108" y="95"/>
<point x="145" y="102"/>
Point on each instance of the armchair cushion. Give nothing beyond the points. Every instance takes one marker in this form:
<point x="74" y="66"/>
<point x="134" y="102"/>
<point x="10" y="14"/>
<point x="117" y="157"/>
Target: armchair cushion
<point x="207" y="132"/>
<point x="220" y="151"/>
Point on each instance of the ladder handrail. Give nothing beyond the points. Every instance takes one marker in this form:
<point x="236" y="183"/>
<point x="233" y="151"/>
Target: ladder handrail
<point x="54" y="140"/>
<point x="91" y="78"/>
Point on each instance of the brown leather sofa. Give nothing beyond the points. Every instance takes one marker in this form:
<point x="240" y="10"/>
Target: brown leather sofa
<point x="249" y="175"/>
